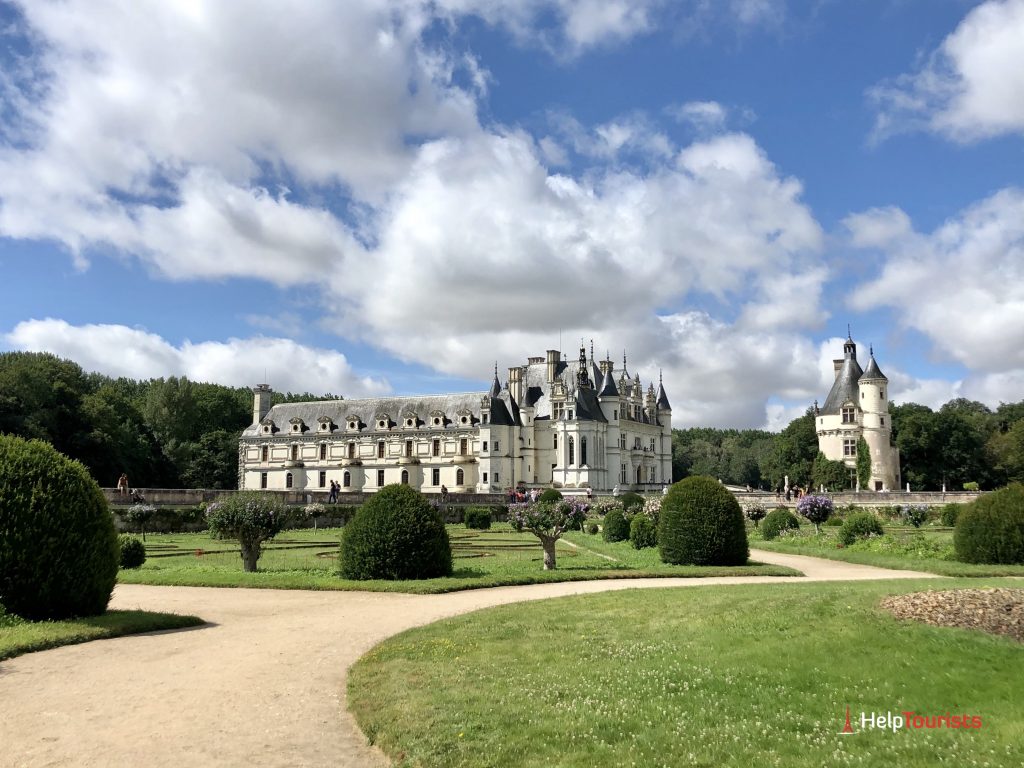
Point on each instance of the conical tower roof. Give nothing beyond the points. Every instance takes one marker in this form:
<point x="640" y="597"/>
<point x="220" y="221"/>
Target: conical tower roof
<point x="663" y="404"/>
<point x="873" y="371"/>
<point x="608" y="388"/>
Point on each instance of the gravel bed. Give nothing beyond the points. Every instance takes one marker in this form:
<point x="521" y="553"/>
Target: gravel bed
<point x="997" y="611"/>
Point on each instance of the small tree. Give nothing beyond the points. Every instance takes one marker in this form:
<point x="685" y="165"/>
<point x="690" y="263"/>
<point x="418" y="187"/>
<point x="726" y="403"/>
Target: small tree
<point x="817" y="509"/>
<point x="755" y="513"/>
<point x="250" y="517"/>
<point x="547" y="520"/>
<point x="915" y="514"/>
<point x="138" y="515"/>
<point x="313" y="512"/>
<point x="863" y="463"/>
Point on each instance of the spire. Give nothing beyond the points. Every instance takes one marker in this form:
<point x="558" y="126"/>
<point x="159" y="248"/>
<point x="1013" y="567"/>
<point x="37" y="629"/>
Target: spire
<point x="873" y="372"/>
<point x="495" y="389"/>
<point x="582" y="377"/>
<point x="608" y="385"/>
<point x="849" y="348"/>
<point x="663" y="404"/>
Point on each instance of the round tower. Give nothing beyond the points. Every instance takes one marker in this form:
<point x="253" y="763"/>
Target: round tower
<point x="876" y="428"/>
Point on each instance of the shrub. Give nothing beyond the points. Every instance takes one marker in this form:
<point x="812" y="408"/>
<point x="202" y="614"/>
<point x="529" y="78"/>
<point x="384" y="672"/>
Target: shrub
<point x="817" y="509"/>
<point x="642" y="532"/>
<point x="702" y="524"/>
<point x="478" y="518"/>
<point x="652" y="509"/>
<point x="550" y="494"/>
<point x="755" y="513"/>
<point x="914" y="514"/>
<point x="949" y="514"/>
<point x="616" y="527"/>
<point x="778" y="520"/>
<point x="971" y="486"/>
<point x="58" y="548"/>
<point x="593" y="528"/>
<point x="548" y="520"/>
<point x="834" y="522"/>
<point x="133" y="551"/>
<point x="396" y="534"/>
<point x="859" y="525"/>
<point x="138" y="515"/>
<point x="249" y="517"/>
<point x="630" y="500"/>
<point x="604" y="505"/>
<point x="991" y="529"/>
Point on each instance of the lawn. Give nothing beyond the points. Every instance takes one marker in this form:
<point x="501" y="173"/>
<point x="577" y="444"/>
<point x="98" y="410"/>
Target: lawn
<point x="304" y="559"/>
<point x="926" y="549"/>
<point x="18" y="636"/>
<point x="708" y="676"/>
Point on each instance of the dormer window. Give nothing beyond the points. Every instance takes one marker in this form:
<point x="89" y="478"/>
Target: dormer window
<point x="410" y="420"/>
<point x="326" y="424"/>
<point x="298" y="425"/>
<point x="382" y="421"/>
<point x="381" y="424"/>
<point x="849" y="414"/>
<point x="267" y="426"/>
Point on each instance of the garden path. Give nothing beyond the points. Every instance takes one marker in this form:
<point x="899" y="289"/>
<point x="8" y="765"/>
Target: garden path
<point x="262" y="684"/>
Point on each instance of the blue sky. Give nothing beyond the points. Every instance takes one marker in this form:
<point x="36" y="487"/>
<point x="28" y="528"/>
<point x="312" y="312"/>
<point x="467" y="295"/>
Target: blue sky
<point x="392" y="195"/>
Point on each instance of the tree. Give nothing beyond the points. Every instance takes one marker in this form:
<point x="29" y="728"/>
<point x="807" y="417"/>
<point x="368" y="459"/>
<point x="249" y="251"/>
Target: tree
<point x="249" y="517"/>
<point x="795" y="449"/>
<point x="863" y="463"/>
<point x="547" y="520"/>
<point x="139" y="515"/>
<point x="817" y="509"/>
<point x="834" y="475"/>
<point x="212" y="461"/>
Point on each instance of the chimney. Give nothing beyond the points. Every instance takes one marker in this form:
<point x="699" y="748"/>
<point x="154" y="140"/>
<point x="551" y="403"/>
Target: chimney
<point x="554" y="356"/>
<point x="260" y="402"/>
<point x="838" y="364"/>
<point x="515" y="384"/>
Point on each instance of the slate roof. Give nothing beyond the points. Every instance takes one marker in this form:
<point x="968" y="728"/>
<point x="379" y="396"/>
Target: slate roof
<point x="608" y="388"/>
<point x="663" y="398"/>
<point x="873" y="371"/>
<point x="845" y="388"/>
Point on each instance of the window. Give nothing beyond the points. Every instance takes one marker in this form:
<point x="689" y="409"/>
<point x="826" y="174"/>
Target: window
<point x="288" y="480"/>
<point x="622" y="475"/>
<point x="351" y="450"/>
<point x="615" y="415"/>
<point x="408" y="422"/>
<point x="497" y="446"/>
<point x="263" y="479"/>
<point x="351" y="425"/>
<point x="380" y="449"/>
<point x="435" y="476"/>
<point x="622" y="441"/>
<point x="881" y="394"/>
<point x="636" y="441"/>
<point x="464" y="420"/>
<point x="496" y="478"/>
<point x="556" y="441"/>
<point x="485" y="418"/>
<point x="460" y="477"/>
<point x="849" y="447"/>
<point x="346" y="480"/>
<point x="408" y="447"/>
<point x="323" y="479"/>
<point x="264" y="453"/>
<point x="652" y="444"/>
<point x="484" y="446"/>
<point x="380" y="478"/>
<point x="881" y="421"/>
<point x="849" y="414"/>
<point x="323" y="451"/>
<point x="435" y="448"/>
<point x="572" y="452"/>
<point x="485" y="477"/>
<point x="437" y="421"/>
<point x="570" y="415"/>
<point x="405" y="477"/>
<point x="583" y="451"/>
<point x="462" y="447"/>
<point x="295" y="453"/>
<point x="381" y="424"/>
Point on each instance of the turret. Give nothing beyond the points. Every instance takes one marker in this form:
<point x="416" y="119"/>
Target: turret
<point x="261" y="402"/>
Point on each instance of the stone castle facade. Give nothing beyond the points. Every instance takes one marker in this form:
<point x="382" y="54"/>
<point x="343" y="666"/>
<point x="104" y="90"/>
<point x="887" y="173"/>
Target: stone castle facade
<point x="555" y="423"/>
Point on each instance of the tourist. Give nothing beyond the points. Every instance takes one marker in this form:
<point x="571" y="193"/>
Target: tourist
<point x="122" y="484"/>
<point x="332" y="497"/>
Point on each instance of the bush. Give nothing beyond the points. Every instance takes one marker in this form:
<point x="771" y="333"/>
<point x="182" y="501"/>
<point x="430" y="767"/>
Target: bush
<point x="834" y="522"/>
<point x="550" y="494"/>
<point x="914" y="514"/>
<point x="593" y="528"/>
<point x="859" y="525"/>
<point x="755" y="513"/>
<point x="702" y="524"/>
<point x="630" y="501"/>
<point x="58" y="548"/>
<point x="642" y="532"/>
<point x="397" y="534"/>
<point x="478" y="518"/>
<point x="817" y="509"/>
<point x="616" y="527"/>
<point x="249" y="517"/>
<point x="138" y="515"/>
<point x="133" y="551"/>
<point x="971" y="486"/>
<point x="778" y="520"/>
<point x="991" y="529"/>
<point x="949" y="514"/>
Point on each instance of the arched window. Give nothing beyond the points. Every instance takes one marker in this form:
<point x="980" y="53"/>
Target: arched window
<point x="460" y="477"/>
<point x="405" y="477"/>
<point x="346" y="480"/>
<point x="288" y="480"/>
<point x="572" y="451"/>
<point x="583" y="451"/>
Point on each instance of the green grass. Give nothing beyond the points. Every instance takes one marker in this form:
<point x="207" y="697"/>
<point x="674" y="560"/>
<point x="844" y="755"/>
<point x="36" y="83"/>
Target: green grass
<point x="18" y="636"/>
<point x="303" y="559"/>
<point x="707" y="676"/>
<point x="927" y="549"/>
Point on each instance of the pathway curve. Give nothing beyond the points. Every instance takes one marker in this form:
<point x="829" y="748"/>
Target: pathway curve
<point x="263" y="684"/>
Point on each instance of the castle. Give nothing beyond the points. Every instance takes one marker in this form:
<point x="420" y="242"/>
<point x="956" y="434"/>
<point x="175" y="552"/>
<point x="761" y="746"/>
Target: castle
<point x="857" y="407"/>
<point x="554" y="423"/>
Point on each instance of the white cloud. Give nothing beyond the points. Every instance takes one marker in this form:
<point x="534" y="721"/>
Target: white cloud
<point x="970" y="87"/>
<point x="878" y="227"/>
<point x="117" y="350"/>
<point x="962" y="286"/>
<point x="705" y="116"/>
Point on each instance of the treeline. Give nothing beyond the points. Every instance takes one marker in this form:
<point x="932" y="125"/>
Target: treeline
<point x="963" y="442"/>
<point x="164" y="433"/>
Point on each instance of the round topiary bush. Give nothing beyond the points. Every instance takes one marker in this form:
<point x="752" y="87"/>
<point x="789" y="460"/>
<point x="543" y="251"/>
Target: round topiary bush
<point x="133" y="551"/>
<point x="991" y="529"/>
<point x="478" y="518"/>
<point x="616" y="527"/>
<point x="593" y="528"/>
<point x="859" y="525"/>
<point x="550" y="494"/>
<point x="778" y="520"/>
<point x="397" y="534"/>
<point x="58" y="548"/>
<point x="631" y="502"/>
<point x="642" y="532"/>
<point x="702" y="524"/>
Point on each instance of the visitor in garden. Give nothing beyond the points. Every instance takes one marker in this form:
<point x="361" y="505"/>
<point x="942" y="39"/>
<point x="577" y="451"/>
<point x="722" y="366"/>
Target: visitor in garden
<point x="332" y="497"/>
<point x="444" y="493"/>
<point x="122" y="484"/>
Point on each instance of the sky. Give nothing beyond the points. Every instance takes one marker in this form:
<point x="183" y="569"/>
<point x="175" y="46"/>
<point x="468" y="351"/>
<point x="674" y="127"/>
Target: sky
<point x="392" y="196"/>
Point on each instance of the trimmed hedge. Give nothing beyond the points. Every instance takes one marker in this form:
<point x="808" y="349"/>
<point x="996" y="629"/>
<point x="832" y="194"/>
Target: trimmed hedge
<point x="859" y="525"/>
<point x="616" y="527"/>
<point x="478" y="518"/>
<point x="631" y="501"/>
<point x="778" y="520"/>
<point x="642" y="532"/>
<point x="133" y="551"/>
<point x="395" y="535"/>
<point x="58" y="549"/>
<point x="991" y="529"/>
<point x="702" y="524"/>
<point x="550" y="494"/>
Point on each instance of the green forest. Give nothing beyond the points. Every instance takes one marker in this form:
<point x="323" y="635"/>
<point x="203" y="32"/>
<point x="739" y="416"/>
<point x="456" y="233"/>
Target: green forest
<point x="176" y="433"/>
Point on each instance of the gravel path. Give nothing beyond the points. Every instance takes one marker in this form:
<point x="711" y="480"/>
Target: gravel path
<point x="262" y="684"/>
